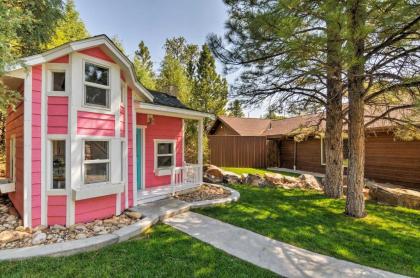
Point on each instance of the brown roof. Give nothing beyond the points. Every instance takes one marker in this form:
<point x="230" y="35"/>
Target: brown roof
<point x="246" y="126"/>
<point x="273" y="128"/>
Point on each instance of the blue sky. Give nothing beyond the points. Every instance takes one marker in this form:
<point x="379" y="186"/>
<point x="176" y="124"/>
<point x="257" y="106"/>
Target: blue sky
<point x="155" y="20"/>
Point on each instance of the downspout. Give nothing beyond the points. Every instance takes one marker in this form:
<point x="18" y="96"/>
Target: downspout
<point x="294" y="156"/>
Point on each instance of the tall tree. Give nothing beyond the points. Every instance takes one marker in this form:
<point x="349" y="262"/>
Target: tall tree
<point x="272" y="113"/>
<point x="210" y="90"/>
<point x="143" y="66"/>
<point x="289" y="52"/>
<point x="235" y="109"/>
<point x="383" y="65"/>
<point x="69" y="28"/>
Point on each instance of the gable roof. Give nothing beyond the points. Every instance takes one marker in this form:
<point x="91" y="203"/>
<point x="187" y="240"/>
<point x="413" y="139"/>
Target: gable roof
<point x="67" y="48"/>
<point x="246" y="126"/>
<point x="285" y="127"/>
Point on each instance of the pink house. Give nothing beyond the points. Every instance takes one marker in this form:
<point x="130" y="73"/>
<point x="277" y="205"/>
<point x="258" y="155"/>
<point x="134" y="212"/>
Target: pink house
<point x="88" y="140"/>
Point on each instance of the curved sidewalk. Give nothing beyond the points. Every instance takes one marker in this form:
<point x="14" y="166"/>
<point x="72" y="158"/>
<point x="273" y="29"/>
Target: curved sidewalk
<point x="281" y="258"/>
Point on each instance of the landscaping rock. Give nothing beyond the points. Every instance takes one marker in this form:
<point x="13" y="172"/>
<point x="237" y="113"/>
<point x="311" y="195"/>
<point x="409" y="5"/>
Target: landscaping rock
<point x="231" y="178"/>
<point x="204" y="192"/>
<point x="10" y="236"/>
<point x="133" y="214"/>
<point x="39" y="238"/>
<point x="288" y="179"/>
<point x="274" y="179"/>
<point x="310" y="182"/>
<point x="393" y="195"/>
<point x="212" y="174"/>
<point x="255" y="180"/>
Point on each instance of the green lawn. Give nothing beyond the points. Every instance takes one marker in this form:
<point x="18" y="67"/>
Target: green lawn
<point x="388" y="238"/>
<point x="164" y="252"/>
<point x="254" y="171"/>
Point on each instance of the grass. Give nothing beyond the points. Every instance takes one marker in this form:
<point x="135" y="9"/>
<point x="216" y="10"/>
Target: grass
<point x="164" y="252"/>
<point x="388" y="238"/>
<point x="254" y="171"/>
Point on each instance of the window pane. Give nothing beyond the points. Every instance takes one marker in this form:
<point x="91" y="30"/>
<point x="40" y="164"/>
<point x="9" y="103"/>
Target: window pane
<point x="164" y="161"/>
<point x="59" y="81"/>
<point x="97" y="172"/>
<point x="165" y="148"/>
<point x="96" y="96"/>
<point x="96" y="150"/>
<point x="59" y="164"/>
<point x="96" y="74"/>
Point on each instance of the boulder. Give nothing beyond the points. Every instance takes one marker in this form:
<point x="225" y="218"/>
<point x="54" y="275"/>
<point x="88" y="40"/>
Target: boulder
<point x="310" y="182"/>
<point x="255" y="180"/>
<point x="393" y="195"/>
<point x="10" y="236"/>
<point x="289" y="179"/>
<point x="134" y="214"/>
<point x="274" y="179"/>
<point x="212" y="174"/>
<point x="231" y="178"/>
<point x="38" y="238"/>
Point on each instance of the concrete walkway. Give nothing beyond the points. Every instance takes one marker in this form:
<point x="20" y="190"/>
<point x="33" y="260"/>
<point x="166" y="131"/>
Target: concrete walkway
<point x="281" y="258"/>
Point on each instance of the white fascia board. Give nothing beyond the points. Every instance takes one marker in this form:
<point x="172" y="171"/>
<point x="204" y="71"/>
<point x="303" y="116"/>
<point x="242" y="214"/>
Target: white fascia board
<point x="149" y="108"/>
<point x="77" y="46"/>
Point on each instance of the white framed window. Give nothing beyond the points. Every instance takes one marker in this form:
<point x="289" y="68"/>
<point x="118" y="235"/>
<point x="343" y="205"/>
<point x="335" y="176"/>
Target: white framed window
<point x="58" y="81"/>
<point x="57" y="164"/>
<point x="165" y="156"/>
<point x="96" y="162"/>
<point x="97" y="88"/>
<point x="345" y="152"/>
<point x="12" y="158"/>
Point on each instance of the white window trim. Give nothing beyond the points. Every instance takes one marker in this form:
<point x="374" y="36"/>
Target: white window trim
<point x="49" y="173"/>
<point x="123" y="92"/>
<point x="59" y="67"/>
<point x="107" y="87"/>
<point x="84" y="162"/>
<point x="164" y="171"/>
<point x="12" y="157"/>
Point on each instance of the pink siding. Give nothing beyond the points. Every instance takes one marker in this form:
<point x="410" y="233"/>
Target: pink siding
<point x="57" y="115"/>
<point x="89" y="123"/>
<point x="36" y="144"/>
<point x="14" y="126"/>
<point x="130" y="146"/>
<point x="122" y="121"/>
<point x="97" y="52"/>
<point x="95" y="208"/>
<point x="56" y="212"/>
<point x="162" y="128"/>
<point x="63" y="59"/>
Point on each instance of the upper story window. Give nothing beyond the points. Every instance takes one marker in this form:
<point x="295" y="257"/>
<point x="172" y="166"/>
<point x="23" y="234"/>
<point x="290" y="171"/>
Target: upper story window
<point x="97" y="89"/>
<point x="58" y="81"/>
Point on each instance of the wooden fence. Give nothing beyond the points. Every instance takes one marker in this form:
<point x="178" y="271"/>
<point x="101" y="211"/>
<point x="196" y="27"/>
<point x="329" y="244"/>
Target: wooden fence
<point x="241" y="151"/>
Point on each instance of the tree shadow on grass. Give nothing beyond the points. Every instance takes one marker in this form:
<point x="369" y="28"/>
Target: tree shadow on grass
<point x="388" y="238"/>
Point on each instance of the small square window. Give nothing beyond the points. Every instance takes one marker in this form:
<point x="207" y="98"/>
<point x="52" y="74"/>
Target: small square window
<point x="96" y="162"/>
<point x="59" y="81"/>
<point x="165" y="156"/>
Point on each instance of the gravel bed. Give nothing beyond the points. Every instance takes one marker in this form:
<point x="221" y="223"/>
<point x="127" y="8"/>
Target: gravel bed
<point x="204" y="192"/>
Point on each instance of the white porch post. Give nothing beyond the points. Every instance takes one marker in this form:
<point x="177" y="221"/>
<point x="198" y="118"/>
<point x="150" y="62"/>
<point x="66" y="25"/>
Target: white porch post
<point x="200" y="149"/>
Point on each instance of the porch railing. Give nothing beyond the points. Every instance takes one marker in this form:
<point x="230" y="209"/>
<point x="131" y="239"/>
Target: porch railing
<point x="186" y="175"/>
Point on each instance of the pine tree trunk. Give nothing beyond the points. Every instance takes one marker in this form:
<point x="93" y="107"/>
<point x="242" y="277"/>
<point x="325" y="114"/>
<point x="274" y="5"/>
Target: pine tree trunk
<point x="333" y="185"/>
<point x="355" y="201"/>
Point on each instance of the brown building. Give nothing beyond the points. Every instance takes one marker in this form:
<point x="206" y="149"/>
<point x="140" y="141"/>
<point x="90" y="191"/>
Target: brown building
<point x="262" y="143"/>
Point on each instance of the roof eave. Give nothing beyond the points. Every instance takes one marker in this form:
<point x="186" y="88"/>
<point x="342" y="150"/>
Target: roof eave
<point x="150" y="108"/>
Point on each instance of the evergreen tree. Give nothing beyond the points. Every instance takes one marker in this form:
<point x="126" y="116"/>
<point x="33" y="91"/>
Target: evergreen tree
<point x="235" y="109"/>
<point x="143" y="66"/>
<point x="210" y="90"/>
<point x="70" y="28"/>
<point x="271" y="113"/>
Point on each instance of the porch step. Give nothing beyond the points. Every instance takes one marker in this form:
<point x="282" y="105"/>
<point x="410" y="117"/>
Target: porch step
<point x="161" y="192"/>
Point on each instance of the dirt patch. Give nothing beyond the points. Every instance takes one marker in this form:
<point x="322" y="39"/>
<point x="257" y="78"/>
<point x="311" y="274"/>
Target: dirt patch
<point x="204" y="192"/>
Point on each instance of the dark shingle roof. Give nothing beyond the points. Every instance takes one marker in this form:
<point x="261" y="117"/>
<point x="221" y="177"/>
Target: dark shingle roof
<point x="165" y="99"/>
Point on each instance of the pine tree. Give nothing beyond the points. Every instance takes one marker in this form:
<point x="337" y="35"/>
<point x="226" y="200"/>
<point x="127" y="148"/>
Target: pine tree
<point x="210" y="90"/>
<point x="271" y="113"/>
<point x="143" y="66"/>
<point x="235" y="109"/>
<point x="70" y="28"/>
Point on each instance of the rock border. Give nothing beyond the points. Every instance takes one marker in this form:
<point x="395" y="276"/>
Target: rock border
<point x="73" y="247"/>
